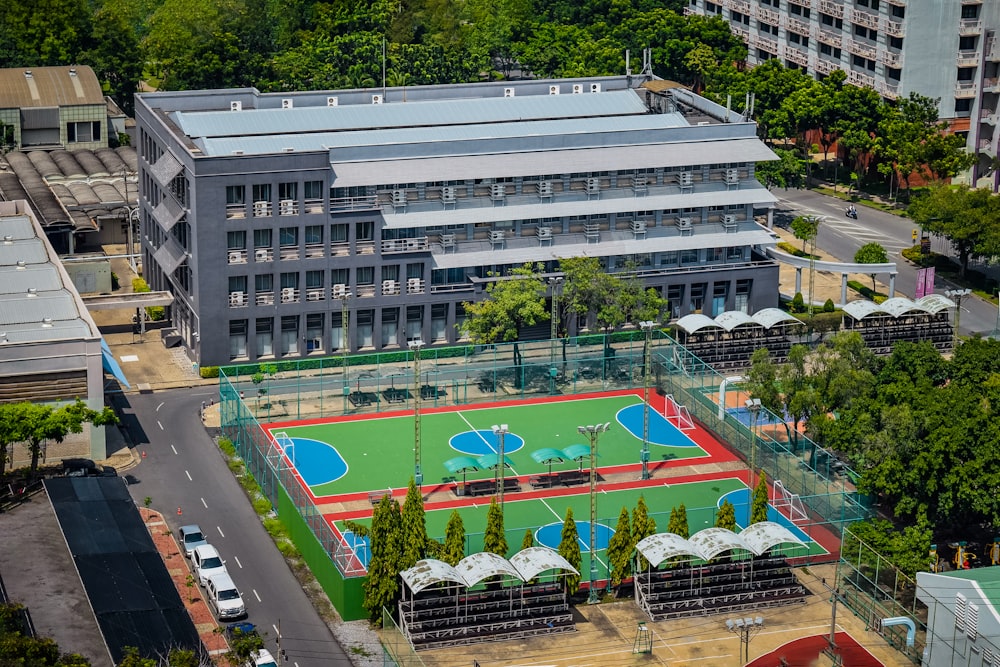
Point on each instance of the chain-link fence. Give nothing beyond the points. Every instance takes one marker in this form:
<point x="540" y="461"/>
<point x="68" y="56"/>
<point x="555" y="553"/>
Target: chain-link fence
<point x="396" y="648"/>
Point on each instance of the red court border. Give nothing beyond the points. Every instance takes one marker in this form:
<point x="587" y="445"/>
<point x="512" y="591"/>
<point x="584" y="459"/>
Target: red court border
<point x="805" y="651"/>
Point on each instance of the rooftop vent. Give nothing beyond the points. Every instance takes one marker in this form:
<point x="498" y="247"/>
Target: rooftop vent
<point x="21" y="264"/>
<point x="508" y="92"/>
<point x="287" y="103"/>
<point x="237" y="152"/>
<point x="27" y="74"/>
<point x="289" y="150"/>
<point x="46" y="321"/>
<point x="3" y="336"/>
<point x="72" y="72"/>
<point x="8" y="239"/>
<point x="32" y="291"/>
<point x="236" y="106"/>
<point x="332" y="101"/>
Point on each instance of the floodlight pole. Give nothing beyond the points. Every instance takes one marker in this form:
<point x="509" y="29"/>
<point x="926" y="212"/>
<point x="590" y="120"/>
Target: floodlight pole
<point x="500" y="431"/>
<point x="746" y="628"/>
<point x="345" y="346"/>
<point x="555" y="285"/>
<point x="957" y="295"/>
<point x="415" y="345"/>
<point x="647" y="327"/>
<point x="753" y="405"/>
<point x="593" y="431"/>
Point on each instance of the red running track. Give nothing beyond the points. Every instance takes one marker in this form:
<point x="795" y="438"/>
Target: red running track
<point x="804" y="652"/>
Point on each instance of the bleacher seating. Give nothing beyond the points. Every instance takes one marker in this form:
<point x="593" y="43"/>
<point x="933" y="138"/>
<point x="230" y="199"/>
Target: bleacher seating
<point x="438" y="619"/>
<point x="717" y="588"/>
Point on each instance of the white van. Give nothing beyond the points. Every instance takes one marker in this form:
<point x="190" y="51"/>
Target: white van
<point x="224" y="597"/>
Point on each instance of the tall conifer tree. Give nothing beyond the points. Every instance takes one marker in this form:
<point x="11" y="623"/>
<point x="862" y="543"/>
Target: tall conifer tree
<point x="569" y="548"/>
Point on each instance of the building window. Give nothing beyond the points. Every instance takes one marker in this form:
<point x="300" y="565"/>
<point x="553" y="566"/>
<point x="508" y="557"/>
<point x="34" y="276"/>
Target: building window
<point x="698" y="297"/>
<point x="689" y="257"/>
<point x="262" y="238"/>
<point x="263" y="283"/>
<point x="767" y="28"/>
<point x="365" y="275"/>
<point x="364" y="231"/>
<point x="238" y="339"/>
<point x="797" y="10"/>
<point x="261" y="200"/>
<point x="414" y="322"/>
<point x="970" y="11"/>
<point x="314" y="279"/>
<point x="236" y="240"/>
<point x="895" y="42"/>
<point x="289" y="334"/>
<point x="893" y="73"/>
<point x="796" y="38"/>
<point x="390" y="326"/>
<point x="336" y="331"/>
<point x="966" y="73"/>
<point x="314" y="235"/>
<point x="675" y="299"/>
<point x="85" y="131"/>
<point x="288" y="237"/>
<point x="897" y="12"/>
<point x="289" y="280"/>
<point x="831" y="21"/>
<point x="265" y="337"/>
<point x="712" y="8"/>
<point x="439" y="322"/>
<point x="236" y="201"/>
<point x="414" y="271"/>
<point x="313" y="190"/>
<point x="363" y="328"/>
<point x="963" y="105"/>
<point x="338" y="233"/>
<point x="967" y="43"/>
<point x="734" y="253"/>
<point x="874" y="4"/>
<point x="314" y="332"/>
<point x="339" y="277"/>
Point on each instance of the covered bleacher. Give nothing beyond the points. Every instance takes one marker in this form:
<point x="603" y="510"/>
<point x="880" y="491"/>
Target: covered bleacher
<point x="882" y="325"/>
<point x="687" y="577"/>
<point x="730" y="339"/>
<point x="485" y="598"/>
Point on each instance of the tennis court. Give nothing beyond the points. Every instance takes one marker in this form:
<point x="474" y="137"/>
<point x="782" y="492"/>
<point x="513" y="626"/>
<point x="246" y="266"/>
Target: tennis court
<point x="349" y="455"/>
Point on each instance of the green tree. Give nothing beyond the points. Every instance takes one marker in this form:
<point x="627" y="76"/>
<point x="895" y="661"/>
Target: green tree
<point x="115" y="56"/>
<point x="726" y="516"/>
<point x="620" y="549"/>
<point x="569" y="548"/>
<point x="787" y="171"/>
<point x="385" y="536"/>
<point x="414" y="528"/>
<point x="805" y="228"/>
<point x="131" y="658"/>
<point x="38" y="423"/>
<point x="454" y="539"/>
<point x="643" y="526"/>
<point x="758" y="504"/>
<point x="242" y="645"/>
<point x="495" y="539"/>
<point x="969" y="219"/>
<point x="513" y="302"/>
<point x="528" y="541"/>
<point x="678" y="524"/>
<point x="871" y="253"/>
<point x="761" y="380"/>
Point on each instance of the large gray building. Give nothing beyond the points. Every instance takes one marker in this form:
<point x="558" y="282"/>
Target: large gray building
<point x="272" y="216"/>
<point x="944" y="49"/>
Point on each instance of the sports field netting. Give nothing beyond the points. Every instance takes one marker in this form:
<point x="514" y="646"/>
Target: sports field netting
<point x="377" y="452"/>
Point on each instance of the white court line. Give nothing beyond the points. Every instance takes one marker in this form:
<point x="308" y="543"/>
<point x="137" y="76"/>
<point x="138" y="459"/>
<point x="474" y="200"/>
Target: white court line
<point x="204" y="503"/>
<point x="237" y="559"/>
<point x="189" y="476"/>
<point x="554" y="513"/>
<point x="175" y="450"/>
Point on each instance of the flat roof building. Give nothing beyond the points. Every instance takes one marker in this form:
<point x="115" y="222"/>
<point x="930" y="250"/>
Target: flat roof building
<point x="271" y="217"/>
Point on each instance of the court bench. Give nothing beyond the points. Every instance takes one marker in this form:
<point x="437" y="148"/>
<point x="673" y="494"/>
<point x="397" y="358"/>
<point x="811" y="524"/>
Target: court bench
<point x="484" y="487"/>
<point x="375" y="497"/>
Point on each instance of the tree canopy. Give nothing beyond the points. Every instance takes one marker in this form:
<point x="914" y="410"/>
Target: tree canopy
<point x="969" y="219"/>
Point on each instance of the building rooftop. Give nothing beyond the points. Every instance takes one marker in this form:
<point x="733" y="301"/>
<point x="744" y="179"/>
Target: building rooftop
<point x="49" y="87"/>
<point x="37" y="299"/>
<point x="986" y="579"/>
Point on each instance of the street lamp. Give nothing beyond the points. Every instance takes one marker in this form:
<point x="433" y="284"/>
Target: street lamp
<point x="415" y="345"/>
<point x="344" y="335"/>
<point x="745" y="628"/>
<point x="500" y="431"/>
<point x="593" y="431"/>
<point x="555" y="285"/>
<point x="753" y="405"/>
<point x="957" y="295"/>
<point x="647" y="344"/>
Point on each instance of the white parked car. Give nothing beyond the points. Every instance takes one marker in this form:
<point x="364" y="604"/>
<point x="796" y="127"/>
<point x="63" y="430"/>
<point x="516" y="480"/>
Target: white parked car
<point x="224" y="597"/>
<point x="263" y="658"/>
<point x="207" y="563"/>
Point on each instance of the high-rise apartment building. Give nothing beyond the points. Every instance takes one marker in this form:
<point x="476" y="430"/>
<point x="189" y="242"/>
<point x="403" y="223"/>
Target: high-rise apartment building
<point x="944" y="49"/>
<point x="276" y="218"/>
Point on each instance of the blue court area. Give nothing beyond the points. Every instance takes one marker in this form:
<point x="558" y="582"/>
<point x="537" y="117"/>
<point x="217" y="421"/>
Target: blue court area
<point x="478" y="443"/>
<point x="550" y="535"/>
<point x="318" y="462"/>
<point x="740" y="499"/>
<point x="361" y="547"/>
<point x="745" y="417"/>
<point x="661" y="431"/>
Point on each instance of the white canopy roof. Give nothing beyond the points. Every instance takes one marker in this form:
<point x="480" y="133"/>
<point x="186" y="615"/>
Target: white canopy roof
<point x="935" y="303"/>
<point x="768" y="317"/>
<point x="533" y="561"/>
<point x="662" y="546"/>
<point x="896" y="306"/>
<point x="767" y="534"/>
<point x="429" y="572"/>
<point x="713" y="541"/>
<point x="731" y="319"/>
<point x="696" y="321"/>
<point x="859" y="310"/>
<point x="483" y="565"/>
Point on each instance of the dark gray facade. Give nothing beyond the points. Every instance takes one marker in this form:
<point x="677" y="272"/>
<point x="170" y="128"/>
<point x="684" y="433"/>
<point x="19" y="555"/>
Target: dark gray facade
<point x="271" y="216"/>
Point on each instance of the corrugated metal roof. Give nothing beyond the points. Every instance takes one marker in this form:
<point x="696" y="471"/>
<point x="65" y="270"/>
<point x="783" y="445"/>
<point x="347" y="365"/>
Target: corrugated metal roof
<point x="279" y="143"/>
<point x="533" y="163"/>
<point x="18" y="227"/>
<point x="35" y="332"/>
<point x="662" y="546"/>
<point x="407" y="114"/>
<point x="694" y="322"/>
<point x="532" y="561"/>
<point x="22" y="309"/>
<point x="765" y="535"/>
<point x="42" y="277"/>
<point x="519" y="256"/>
<point x="49" y="87"/>
<point x="429" y="572"/>
<point x="30" y="251"/>
<point x="713" y="541"/>
<point x="483" y="565"/>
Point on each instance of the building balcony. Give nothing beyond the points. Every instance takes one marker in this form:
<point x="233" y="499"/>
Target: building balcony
<point x="264" y="298"/>
<point x="348" y="204"/>
<point x="992" y="50"/>
<point x="802" y="3"/>
<point x="894" y="28"/>
<point x="967" y="58"/>
<point x="740" y="32"/>
<point x="861" y="49"/>
<point x="965" y="89"/>
<point x="236" y="211"/>
<point x="991" y="85"/>
<point x="798" y="57"/>
<point x="797" y="26"/>
<point x="289" y="253"/>
<point x="891" y="59"/>
<point x="972" y="2"/>
<point x="831" y="38"/>
<point x="315" y="294"/>
<point x="742" y="7"/>
<point x="986" y="146"/>
<point x="860" y="17"/>
<point x="887" y="90"/>
<point x="969" y="27"/>
<point x="768" y="16"/>
<point x="858" y="79"/>
<point x="769" y="45"/>
<point x="834" y="9"/>
<point x="398" y="246"/>
<point x="824" y="66"/>
<point x="315" y="251"/>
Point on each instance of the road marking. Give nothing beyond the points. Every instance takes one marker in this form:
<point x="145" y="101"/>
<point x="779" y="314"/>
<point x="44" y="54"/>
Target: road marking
<point x="220" y="531"/>
<point x="276" y="633"/>
<point x="160" y="406"/>
<point x="204" y="503"/>
<point x="237" y="559"/>
<point x="189" y="476"/>
<point x="159" y="424"/>
<point x="175" y="449"/>
<point x="255" y="594"/>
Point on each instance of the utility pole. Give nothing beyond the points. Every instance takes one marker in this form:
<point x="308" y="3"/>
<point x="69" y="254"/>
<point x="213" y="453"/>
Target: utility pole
<point x="593" y="431"/>
<point x="647" y="327"/>
<point x="957" y="295"/>
<point x="418" y="476"/>
<point x="500" y="431"/>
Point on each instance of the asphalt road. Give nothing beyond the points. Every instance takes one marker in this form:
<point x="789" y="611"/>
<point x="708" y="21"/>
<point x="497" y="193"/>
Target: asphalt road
<point x="183" y="468"/>
<point x="841" y="237"/>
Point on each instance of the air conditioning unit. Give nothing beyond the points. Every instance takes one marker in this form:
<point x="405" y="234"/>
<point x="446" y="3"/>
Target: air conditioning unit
<point x="237" y="299"/>
<point x="595" y="87"/>
<point x="577" y="88"/>
<point x="235" y="257"/>
<point x="732" y="175"/>
<point x="288" y="294"/>
<point x="683" y="223"/>
<point x="553" y="90"/>
<point x="287" y="103"/>
<point x="728" y="219"/>
<point x="685" y="178"/>
<point x="313" y="344"/>
<point x="390" y="287"/>
<point x="332" y="101"/>
<point x="260" y="208"/>
<point x="287" y="206"/>
<point x="260" y="255"/>
<point x="508" y="92"/>
<point x="376" y="99"/>
<point x="236" y="106"/>
<point x="339" y="290"/>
